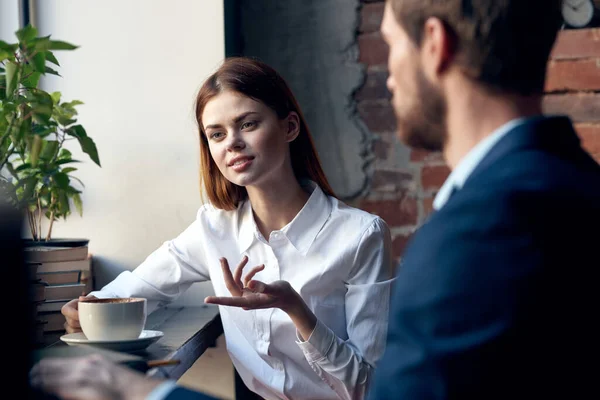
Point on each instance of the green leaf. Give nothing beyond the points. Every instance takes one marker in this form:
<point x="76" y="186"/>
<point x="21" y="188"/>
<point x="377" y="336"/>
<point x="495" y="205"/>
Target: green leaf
<point x="26" y="34"/>
<point x="25" y="128"/>
<point x="69" y="169"/>
<point x="87" y="144"/>
<point x="39" y="62"/>
<point x="89" y="147"/>
<point x="43" y="98"/>
<point x="50" y="71"/>
<point x="23" y="167"/>
<point x="73" y="103"/>
<point x="42" y="130"/>
<point x="65" y="121"/>
<point x="30" y="184"/>
<point x="42" y="43"/>
<point x="64" y="154"/>
<point x="60" y="45"/>
<point x="78" y="180"/>
<point x="64" y="206"/>
<point x="11" y="48"/>
<point x="11" y="75"/>
<point x="66" y="161"/>
<point x="62" y="180"/>
<point x="50" y="57"/>
<point x="55" y="97"/>
<point x="2" y="84"/>
<point x="71" y="191"/>
<point x="49" y="150"/>
<point x="78" y="204"/>
<point x="11" y="169"/>
<point x="36" y="146"/>
<point x="32" y="80"/>
<point x="5" y="54"/>
<point x="41" y="113"/>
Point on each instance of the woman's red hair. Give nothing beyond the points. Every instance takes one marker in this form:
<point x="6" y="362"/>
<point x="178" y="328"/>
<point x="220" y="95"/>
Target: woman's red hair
<point x="258" y="81"/>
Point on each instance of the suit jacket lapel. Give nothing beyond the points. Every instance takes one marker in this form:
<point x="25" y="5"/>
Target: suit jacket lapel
<point x="553" y="134"/>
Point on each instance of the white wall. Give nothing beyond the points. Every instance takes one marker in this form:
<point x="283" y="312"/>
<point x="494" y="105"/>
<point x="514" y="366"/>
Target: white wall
<point x="9" y="20"/>
<point x="137" y="70"/>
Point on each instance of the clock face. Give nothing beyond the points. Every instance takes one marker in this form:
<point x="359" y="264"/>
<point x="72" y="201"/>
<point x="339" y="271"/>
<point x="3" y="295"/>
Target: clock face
<point x="578" y="13"/>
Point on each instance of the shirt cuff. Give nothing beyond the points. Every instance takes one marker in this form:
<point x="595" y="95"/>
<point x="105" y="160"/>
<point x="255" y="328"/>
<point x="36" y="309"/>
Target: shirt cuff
<point x="318" y="344"/>
<point x="161" y="391"/>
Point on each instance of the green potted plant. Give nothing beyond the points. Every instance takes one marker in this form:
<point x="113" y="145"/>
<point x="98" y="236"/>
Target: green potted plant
<point x="36" y="170"/>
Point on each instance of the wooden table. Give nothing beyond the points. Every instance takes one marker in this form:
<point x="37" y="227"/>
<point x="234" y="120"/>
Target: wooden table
<point x="188" y="332"/>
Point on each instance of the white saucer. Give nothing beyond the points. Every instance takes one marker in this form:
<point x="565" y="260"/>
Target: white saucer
<point x="129" y="345"/>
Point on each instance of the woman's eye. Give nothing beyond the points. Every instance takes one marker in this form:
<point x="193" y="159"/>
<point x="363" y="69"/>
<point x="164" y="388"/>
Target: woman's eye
<point x="216" y="135"/>
<point x="248" y="124"/>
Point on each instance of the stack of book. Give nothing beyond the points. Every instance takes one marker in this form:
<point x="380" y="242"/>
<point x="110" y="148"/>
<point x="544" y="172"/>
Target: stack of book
<point x="64" y="273"/>
<point x="37" y="297"/>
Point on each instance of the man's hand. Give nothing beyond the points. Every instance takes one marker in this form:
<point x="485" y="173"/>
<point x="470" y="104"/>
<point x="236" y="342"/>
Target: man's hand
<point x="89" y="378"/>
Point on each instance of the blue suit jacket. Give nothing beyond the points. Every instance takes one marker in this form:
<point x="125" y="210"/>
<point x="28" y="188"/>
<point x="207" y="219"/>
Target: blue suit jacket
<point x="495" y="296"/>
<point x="181" y="393"/>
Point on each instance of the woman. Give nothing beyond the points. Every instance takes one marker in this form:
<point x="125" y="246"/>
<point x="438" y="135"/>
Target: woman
<point x="309" y="319"/>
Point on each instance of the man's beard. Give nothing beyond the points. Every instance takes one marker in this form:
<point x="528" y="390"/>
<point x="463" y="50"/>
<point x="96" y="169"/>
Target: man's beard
<point x="424" y="125"/>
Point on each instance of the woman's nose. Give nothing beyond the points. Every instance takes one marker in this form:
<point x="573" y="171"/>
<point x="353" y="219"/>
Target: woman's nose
<point x="236" y="143"/>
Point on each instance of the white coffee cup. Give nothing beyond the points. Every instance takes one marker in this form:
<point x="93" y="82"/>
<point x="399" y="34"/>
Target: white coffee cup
<point x="112" y="318"/>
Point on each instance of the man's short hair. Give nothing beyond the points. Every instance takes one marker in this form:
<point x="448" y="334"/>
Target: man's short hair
<point x="503" y="44"/>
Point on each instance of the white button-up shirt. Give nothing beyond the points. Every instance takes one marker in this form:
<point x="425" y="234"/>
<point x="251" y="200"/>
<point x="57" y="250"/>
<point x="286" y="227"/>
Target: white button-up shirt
<point x="336" y="257"/>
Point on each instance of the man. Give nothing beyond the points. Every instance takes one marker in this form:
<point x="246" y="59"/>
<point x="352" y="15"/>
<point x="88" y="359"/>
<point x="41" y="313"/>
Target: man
<point x="494" y="295"/>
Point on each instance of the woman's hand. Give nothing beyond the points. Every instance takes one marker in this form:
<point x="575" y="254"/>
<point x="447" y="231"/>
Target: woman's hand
<point x="250" y="294"/>
<point x="71" y="313"/>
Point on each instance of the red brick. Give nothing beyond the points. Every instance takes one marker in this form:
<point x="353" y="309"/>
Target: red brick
<point x="381" y="149"/>
<point x="390" y="178"/>
<point x="573" y="75"/>
<point x="372" y="49"/>
<point x="374" y="87"/>
<point x="581" y="107"/>
<point x="576" y="43"/>
<point x="399" y="245"/>
<point x="590" y="138"/>
<point x="433" y="177"/>
<point x="395" y="213"/>
<point x="426" y="156"/>
<point x="377" y="115"/>
<point x="428" y="205"/>
<point x="370" y="17"/>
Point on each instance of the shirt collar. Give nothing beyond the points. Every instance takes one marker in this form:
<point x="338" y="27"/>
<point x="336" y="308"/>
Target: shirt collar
<point x="301" y="231"/>
<point x="467" y="165"/>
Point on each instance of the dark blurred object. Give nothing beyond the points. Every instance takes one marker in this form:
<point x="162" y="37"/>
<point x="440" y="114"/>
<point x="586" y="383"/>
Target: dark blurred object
<point x="57" y="242"/>
<point x="17" y="332"/>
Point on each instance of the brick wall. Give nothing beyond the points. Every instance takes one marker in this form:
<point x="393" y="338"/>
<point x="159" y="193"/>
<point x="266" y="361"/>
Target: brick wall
<point x="404" y="181"/>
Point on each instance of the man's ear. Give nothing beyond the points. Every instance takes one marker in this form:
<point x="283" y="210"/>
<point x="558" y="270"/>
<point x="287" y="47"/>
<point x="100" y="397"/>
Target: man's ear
<point x="293" y="126"/>
<point x="437" y="48"/>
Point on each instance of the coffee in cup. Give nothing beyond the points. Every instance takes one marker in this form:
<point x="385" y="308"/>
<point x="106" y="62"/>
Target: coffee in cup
<point x="112" y="318"/>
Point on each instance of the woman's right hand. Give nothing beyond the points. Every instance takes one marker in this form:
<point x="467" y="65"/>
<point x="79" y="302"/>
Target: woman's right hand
<point x="71" y="313"/>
